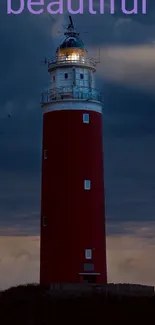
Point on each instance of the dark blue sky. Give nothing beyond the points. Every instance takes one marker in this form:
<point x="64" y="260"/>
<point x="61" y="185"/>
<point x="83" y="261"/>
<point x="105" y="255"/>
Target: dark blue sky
<point x="129" y="114"/>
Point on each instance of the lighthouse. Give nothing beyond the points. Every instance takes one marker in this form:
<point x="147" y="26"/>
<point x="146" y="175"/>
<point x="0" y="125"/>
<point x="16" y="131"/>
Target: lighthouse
<point x="73" y="237"/>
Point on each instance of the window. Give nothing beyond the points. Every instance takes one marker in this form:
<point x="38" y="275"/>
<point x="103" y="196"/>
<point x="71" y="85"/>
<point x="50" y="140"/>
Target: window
<point x="87" y="184"/>
<point x="45" y="154"/>
<point x="53" y="78"/>
<point x="88" y="254"/>
<point x="85" y="118"/>
<point x="81" y="76"/>
<point x="44" y="221"/>
<point x="66" y="75"/>
<point x="88" y="267"/>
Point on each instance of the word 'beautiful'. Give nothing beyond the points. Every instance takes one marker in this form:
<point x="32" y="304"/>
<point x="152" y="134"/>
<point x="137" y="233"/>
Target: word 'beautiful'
<point x="57" y="7"/>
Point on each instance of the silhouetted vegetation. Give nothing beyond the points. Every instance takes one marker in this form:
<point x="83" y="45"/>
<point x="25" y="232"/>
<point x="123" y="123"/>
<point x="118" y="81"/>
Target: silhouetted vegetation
<point x="33" y="305"/>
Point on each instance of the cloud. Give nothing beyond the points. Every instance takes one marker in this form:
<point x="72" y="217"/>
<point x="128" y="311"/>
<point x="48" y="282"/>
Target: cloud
<point x="58" y="26"/>
<point x="132" y="66"/>
<point x="21" y="256"/>
<point x="8" y="108"/>
<point x="130" y="256"/>
<point x="130" y="253"/>
<point x="19" y="203"/>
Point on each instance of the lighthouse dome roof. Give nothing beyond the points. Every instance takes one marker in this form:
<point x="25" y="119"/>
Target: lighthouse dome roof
<point x="72" y="42"/>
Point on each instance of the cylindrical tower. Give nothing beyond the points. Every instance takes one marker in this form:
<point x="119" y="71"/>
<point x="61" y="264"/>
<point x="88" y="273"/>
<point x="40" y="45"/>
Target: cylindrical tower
<point x="73" y="240"/>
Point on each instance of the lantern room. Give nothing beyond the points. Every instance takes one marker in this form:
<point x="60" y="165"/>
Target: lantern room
<point x="72" y="48"/>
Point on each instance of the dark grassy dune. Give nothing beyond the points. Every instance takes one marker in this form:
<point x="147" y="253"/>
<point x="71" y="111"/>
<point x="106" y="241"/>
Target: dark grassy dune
<point x="33" y="305"/>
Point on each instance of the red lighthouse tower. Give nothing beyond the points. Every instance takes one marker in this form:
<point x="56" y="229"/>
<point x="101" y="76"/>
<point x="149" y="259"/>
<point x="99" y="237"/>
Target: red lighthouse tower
<point x="73" y="241"/>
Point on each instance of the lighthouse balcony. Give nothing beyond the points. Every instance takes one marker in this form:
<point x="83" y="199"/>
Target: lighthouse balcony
<point x="69" y="93"/>
<point x="73" y="59"/>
